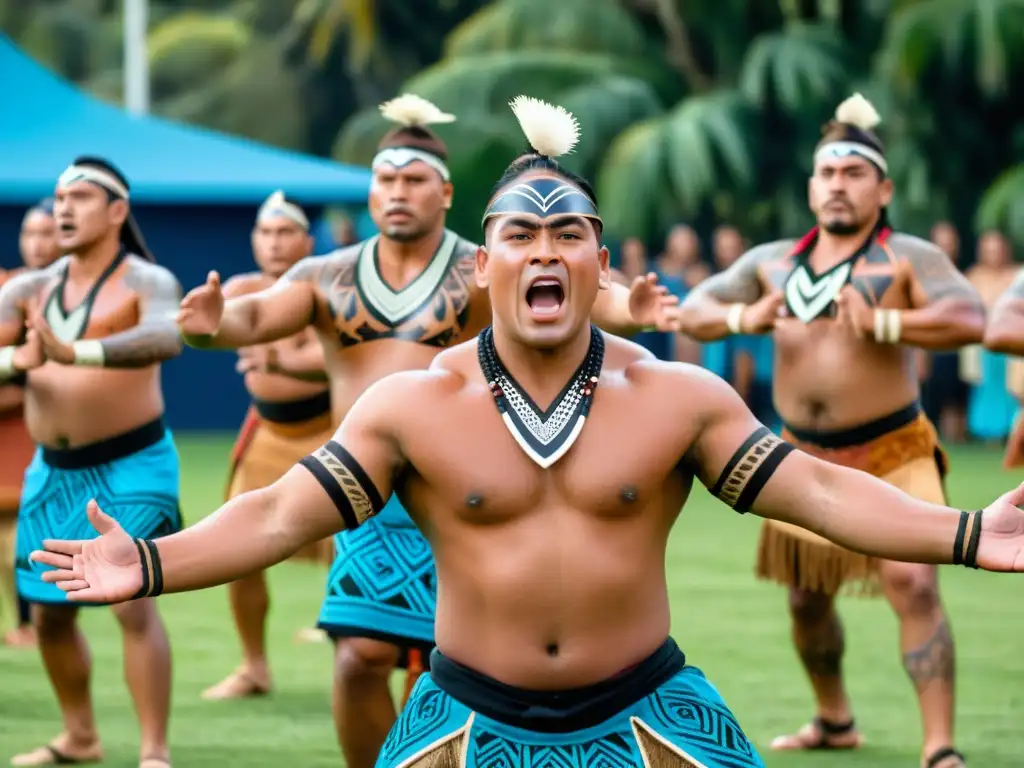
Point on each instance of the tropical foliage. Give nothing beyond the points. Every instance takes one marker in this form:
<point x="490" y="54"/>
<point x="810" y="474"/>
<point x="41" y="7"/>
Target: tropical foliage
<point x="704" y="110"/>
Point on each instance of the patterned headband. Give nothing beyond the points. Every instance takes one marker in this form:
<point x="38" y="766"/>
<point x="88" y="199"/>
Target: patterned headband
<point x="543" y="197"/>
<point x="835" y="149"/>
<point x="399" y="157"/>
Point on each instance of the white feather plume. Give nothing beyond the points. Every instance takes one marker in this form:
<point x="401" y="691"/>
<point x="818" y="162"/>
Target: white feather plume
<point x="550" y="129"/>
<point x="275" y="199"/>
<point x="410" y="109"/>
<point x="859" y="112"/>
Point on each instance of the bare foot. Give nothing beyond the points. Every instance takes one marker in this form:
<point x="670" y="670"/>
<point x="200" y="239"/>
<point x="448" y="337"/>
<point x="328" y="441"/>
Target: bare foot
<point x="155" y="762"/>
<point x="240" y="684"/>
<point x="22" y="637"/>
<point x="820" y="734"/>
<point x="61" y="751"/>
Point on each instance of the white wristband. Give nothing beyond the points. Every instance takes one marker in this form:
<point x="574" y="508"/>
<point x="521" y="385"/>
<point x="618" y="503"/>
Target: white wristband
<point x="734" y="320"/>
<point x="7" y="368"/>
<point x="89" y="353"/>
<point x="894" y="326"/>
<point x="888" y="326"/>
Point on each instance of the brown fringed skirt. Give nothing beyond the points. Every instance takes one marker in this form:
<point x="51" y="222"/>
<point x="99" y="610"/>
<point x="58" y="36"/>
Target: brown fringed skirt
<point x="902" y="449"/>
<point x="265" y="450"/>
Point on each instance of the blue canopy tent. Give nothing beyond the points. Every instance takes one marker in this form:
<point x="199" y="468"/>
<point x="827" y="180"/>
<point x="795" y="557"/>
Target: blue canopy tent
<point x="194" y="193"/>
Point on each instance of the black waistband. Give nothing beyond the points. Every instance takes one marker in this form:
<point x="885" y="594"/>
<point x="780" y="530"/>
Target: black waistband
<point x="859" y="435"/>
<point x="293" y="411"/>
<point x="556" y="711"/>
<point x="106" y="451"/>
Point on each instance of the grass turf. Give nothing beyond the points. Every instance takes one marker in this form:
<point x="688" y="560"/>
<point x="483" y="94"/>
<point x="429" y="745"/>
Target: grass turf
<point x="731" y="626"/>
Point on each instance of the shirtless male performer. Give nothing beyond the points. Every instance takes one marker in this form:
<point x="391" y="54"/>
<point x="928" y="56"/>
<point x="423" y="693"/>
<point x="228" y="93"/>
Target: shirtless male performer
<point x="1005" y="334"/>
<point x="550" y="535"/>
<point x="389" y="304"/>
<point x="290" y="415"/>
<point x="37" y="244"/>
<point x="99" y="321"/>
<point x="846" y="390"/>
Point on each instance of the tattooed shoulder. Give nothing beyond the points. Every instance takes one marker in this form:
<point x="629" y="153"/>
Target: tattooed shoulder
<point x="741" y="282"/>
<point x="932" y="269"/>
<point x="153" y="283"/>
<point x="320" y="270"/>
<point x="27" y="285"/>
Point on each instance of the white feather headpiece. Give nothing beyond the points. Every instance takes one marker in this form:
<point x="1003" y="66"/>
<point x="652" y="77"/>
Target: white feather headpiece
<point x="410" y="109"/>
<point x="550" y="129"/>
<point x="859" y="112"/>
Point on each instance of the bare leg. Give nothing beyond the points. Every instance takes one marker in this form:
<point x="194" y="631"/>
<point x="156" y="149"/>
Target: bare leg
<point x="363" y="708"/>
<point x="66" y="658"/>
<point x="818" y="636"/>
<point x="147" y="669"/>
<point x="927" y="647"/>
<point x="250" y="604"/>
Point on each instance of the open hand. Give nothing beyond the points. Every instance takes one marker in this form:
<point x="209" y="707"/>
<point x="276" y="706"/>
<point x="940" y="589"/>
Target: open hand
<point x="760" y="317"/>
<point x="202" y="308"/>
<point x="853" y="312"/>
<point x="651" y="304"/>
<point x="29" y="355"/>
<point x="103" y="570"/>
<point x="261" y="358"/>
<point x="1001" y="546"/>
<point x="52" y="348"/>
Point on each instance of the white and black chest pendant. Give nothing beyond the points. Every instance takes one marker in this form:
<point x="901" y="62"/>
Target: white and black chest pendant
<point x="544" y="435"/>
<point x="810" y="295"/>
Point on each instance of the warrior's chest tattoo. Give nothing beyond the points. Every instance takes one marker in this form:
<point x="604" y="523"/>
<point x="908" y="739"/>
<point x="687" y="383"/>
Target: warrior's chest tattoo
<point x="432" y="309"/>
<point x="810" y="295"/>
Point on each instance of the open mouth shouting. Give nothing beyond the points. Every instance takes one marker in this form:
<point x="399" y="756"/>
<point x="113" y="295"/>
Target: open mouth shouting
<point x="545" y="297"/>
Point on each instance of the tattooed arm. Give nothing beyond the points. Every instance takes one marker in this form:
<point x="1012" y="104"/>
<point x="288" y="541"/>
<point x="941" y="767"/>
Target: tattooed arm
<point x="155" y="338"/>
<point x="705" y="310"/>
<point x="275" y="313"/>
<point x="1005" y="331"/>
<point x="17" y="354"/>
<point x="947" y="311"/>
<point x="750" y="469"/>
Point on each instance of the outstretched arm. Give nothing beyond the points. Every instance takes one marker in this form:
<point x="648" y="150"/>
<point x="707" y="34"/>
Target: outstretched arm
<point x="713" y="308"/>
<point x="340" y="485"/>
<point x="1005" y="331"/>
<point x="948" y="312"/>
<point x="269" y="315"/>
<point x="626" y="311"/>
<point x="750" y="469"/>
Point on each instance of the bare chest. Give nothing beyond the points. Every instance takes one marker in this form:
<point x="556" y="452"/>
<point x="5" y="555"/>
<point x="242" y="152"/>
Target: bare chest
<point x="431" y="307"/>
<point x="809" y="289"/>
<point x="466" y="459"/>
<point x="77" y="310"/>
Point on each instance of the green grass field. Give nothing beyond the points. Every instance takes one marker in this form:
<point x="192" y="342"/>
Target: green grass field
<point x="731" y="626"/>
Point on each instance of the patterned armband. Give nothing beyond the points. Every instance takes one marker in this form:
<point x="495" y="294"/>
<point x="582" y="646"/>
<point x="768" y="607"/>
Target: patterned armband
<point x="968" y="534"/>
<point x="750" y="468"/>
<point x="152" y="571"/>
<point x="346" y="482"/>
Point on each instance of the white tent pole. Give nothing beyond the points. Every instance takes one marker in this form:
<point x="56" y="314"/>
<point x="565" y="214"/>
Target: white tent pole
<point x="136" y="56"/>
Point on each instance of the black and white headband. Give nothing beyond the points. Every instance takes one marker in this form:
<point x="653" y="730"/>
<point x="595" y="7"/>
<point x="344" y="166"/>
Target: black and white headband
<point x="98" y="176"/>
<point x="277" y="206"/>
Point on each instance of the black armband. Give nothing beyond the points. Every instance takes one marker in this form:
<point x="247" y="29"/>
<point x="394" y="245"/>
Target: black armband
<point x="750" y="468"/>
<point x="346" y="482"/>
<point x="968" y="534"/>
<point x="152" y="571"/>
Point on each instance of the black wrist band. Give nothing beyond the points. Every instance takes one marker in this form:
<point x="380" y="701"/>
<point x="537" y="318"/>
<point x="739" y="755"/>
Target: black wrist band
<point x="968" y="535"/>
<point x="152" y="572"/>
